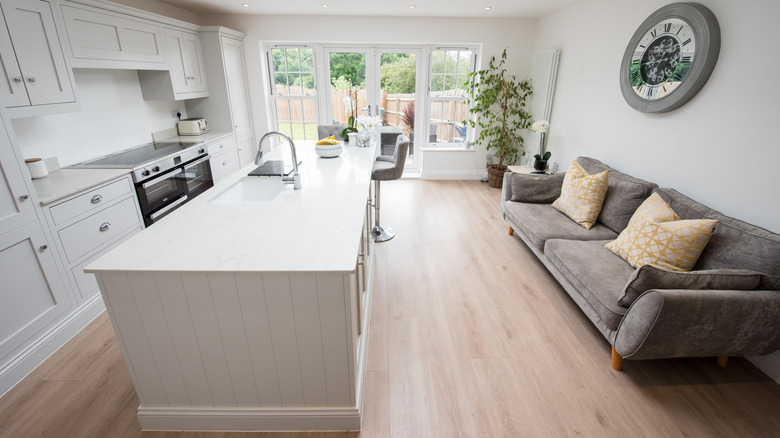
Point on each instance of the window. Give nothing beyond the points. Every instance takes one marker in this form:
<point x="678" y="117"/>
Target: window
<point x="448" y="95"/>
<point x="293" y="91"/>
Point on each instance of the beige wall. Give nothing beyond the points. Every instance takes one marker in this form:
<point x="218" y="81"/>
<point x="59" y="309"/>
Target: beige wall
<point x="720" y="148"/>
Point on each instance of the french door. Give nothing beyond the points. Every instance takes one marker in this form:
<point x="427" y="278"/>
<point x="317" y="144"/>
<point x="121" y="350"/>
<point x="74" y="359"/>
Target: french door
<point x="376" y="81"/>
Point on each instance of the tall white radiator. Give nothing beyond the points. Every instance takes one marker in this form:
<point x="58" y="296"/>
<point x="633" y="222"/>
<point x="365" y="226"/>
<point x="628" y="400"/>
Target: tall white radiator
<point x="544" y="74"/>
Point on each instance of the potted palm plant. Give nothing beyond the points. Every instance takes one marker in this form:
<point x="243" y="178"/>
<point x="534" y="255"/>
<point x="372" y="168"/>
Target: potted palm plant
<point x="497" y="98"/>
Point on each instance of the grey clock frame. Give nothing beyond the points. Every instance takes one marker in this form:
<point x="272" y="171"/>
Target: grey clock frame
<point x="706" y="30"/>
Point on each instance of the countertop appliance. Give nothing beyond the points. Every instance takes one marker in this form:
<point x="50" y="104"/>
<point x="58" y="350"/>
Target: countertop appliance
<point x="196" y="126"/>
<point x="166" y="174"/>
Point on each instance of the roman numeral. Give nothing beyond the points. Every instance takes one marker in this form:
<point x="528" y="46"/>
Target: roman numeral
<point x="667" y="27"/>
<point x="653" y="33"/>
<point x="644" y="47"/>
<point x="664" y="87"/>
<point x="686" y="59"/>
<point x="679" y="30"/>
<point x="676" y="76"/>
<point x="685" y="43"/>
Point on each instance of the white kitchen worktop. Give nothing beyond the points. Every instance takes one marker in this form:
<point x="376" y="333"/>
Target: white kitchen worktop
<point x="314" y="229"/>
<point x="62" y="183"/>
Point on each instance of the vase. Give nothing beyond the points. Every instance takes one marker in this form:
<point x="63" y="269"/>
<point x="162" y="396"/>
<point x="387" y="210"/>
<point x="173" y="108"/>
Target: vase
<point x="540" y="165"/>
<point x="352" y="138"/>
<point x="364" y="138"/>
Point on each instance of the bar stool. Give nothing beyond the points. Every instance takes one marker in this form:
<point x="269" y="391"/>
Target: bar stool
<point x="388" y="168"/>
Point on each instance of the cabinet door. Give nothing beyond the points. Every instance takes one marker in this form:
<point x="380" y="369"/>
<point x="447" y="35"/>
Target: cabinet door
<point x="193" y="62"/>
<point x="38" y="51"/>
<point x="12" y="89"/>
<point x="33" y="293"/>
<point x="176" y="61"/>
<point x="16" y="205"/>
<point x="233" y="52"/>
<point x="246" y="151"/>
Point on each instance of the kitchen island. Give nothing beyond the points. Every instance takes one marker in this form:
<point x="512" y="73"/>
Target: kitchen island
<point x="251" y="315"/>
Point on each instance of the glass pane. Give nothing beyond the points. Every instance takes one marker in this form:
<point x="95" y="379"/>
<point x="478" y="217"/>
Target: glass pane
<point x="348" y="86"/>
<point x="309" y="110"/>
<point x="280" y="83"/>
<point x="307" y="80"/>
<point x="437" y="84"/>
<point x="283" y="111"/>
<point x="448" y="121"/>
<point x="292" y="60"/>
<point x="437" y="61"/>
<point x="307" y="60"/>
<point x="277" y="59"/>
<point x="449" y="85"/>
<point x="295" y="84"/>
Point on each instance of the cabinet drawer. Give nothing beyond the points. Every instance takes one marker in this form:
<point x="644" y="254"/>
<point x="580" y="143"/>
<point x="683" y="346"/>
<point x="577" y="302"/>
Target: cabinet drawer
<point x="221" y="145"/>
<point x="92" y="200"/>
<point x="103" y="226"/>
<point x="223" y="164"/>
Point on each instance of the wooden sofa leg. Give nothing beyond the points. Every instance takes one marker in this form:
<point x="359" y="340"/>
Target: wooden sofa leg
<point x="617" y="361"/>
<point x="511" y="231"/>
<point x="723" y="361"/>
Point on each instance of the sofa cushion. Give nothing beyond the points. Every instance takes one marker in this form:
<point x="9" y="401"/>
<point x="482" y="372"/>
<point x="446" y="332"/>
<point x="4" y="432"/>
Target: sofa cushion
<point x="535" y="188"/>
<point x="582" y="195"/>
<point x="655" y="235"/>
<point x="734" y="244"/>
<point x="597" y="274"/>
<point x="624" y="194"/>
<point x="651" y="277"/>
<point x="540" y="222"/>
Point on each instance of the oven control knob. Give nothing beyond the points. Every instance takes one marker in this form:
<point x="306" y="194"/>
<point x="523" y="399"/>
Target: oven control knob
<point x="202" y="151"/>
<point x="146" y="172"/>
<point x="156" y="169"/>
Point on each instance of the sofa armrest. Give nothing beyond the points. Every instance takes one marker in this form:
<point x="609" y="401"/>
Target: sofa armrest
<point x="664" y="323"/>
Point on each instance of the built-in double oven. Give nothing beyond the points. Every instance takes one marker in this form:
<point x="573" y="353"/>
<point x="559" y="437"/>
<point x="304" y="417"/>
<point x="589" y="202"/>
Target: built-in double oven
<point x="163" y="193"/>
<point x="166" y="174"/>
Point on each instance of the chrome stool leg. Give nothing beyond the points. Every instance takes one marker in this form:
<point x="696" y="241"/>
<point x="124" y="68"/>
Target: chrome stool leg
<point x="380" y="233"/>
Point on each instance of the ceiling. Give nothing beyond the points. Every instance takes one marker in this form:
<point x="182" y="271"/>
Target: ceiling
<point x="423" y="8"/>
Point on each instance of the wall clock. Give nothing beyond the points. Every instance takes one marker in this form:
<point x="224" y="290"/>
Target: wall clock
<point x="670" y="57"/>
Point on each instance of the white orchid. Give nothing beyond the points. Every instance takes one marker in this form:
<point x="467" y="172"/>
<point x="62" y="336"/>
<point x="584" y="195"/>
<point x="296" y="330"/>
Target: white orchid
<point x="540" y="126"/>
<point x="369" y="121"/>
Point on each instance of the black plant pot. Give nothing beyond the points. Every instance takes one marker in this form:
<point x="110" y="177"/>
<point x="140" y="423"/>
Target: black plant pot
<point x="540" y="165"/>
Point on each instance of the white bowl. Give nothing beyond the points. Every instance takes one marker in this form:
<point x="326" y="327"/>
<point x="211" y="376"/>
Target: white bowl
<point x="328" y="150"/>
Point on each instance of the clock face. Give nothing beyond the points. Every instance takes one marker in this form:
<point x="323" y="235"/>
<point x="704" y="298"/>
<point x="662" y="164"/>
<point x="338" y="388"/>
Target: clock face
<point x="662" y="59"/>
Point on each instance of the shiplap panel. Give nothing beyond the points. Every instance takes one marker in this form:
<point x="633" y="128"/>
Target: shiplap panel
<point x="154" y="325"/>
<point x="134" y="339"/>
<point x="283" y="338"/>
<point x="209" y="340"/>
<point x="331" y="291"/>
<point x="224" y="295"/>
<point x="182" y="330"/>
<point x="306" y="309"/>
<point x="255" y="314"/>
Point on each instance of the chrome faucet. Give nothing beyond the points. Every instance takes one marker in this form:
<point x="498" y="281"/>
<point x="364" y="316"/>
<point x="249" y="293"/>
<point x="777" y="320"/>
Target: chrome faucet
<point x="295" y="177"/>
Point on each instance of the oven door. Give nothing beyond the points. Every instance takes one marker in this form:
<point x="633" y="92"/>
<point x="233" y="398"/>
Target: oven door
<point x="161" y="195"/>
<point x="197" y="174"/>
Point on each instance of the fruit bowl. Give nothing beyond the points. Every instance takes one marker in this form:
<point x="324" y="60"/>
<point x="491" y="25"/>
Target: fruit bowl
<point x="328" y="150"/>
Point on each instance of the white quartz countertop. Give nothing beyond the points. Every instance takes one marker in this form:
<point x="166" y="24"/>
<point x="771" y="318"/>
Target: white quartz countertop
<point x="314" y="229"/>
<point x="62" y="183"/>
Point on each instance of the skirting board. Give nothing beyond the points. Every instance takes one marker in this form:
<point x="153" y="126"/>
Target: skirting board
<point x="453" y="174"/>
<point x="250" y="419"/>
<point x="34" y="355"/>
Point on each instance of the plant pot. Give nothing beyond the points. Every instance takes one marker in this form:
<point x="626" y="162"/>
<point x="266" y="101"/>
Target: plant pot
<point x="540" y="165"/>
<point x="496" y="175"/>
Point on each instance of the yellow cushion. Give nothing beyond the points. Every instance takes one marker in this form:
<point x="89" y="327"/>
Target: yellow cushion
<point x="328" y="140"/>
<point x="582" y="195"/>
<point x="657" y="236"/>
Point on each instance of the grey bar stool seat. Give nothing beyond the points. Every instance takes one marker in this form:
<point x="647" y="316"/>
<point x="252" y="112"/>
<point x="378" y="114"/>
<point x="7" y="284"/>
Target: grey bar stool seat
<point x="388" y="168"/>
<point x="324" y="131"/>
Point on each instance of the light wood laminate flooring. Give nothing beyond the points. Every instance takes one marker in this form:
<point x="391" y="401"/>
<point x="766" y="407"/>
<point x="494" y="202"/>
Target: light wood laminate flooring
<point x="470" y="336"/>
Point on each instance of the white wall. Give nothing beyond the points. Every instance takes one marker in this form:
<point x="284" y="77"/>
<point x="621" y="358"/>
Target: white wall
<point x="720" y="148"/>
<point x="158" y="7"/>
<point x="516" y="35"/>
<point x="114" y="117"/>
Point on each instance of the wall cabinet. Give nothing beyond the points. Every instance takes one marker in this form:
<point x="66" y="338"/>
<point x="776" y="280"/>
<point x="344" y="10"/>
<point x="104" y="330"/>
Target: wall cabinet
<point x="89" y="223"/>
<point x="105" y="39"/>
<point x="186" y="78"/>
<point x="34" y="71"/>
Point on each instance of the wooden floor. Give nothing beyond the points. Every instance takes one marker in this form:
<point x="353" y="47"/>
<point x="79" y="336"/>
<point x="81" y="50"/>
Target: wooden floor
<point x="470" y="337"/>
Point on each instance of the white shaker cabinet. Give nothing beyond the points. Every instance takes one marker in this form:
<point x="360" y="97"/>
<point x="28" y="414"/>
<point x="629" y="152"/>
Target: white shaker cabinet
<point x="224" y="160"/>
<point x="186" y="78"/>
<point x="34" y="71"/>
<point x="235" y="68"/>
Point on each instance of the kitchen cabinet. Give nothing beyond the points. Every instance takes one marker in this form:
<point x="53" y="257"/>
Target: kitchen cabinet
<point x="89" y="223"/>
<point x="186" y="78"/>
<point x="99" y="38"/>
<point x="224" y="157"/>
<point x="226" y="71"/>
<point x="34" y="72"/>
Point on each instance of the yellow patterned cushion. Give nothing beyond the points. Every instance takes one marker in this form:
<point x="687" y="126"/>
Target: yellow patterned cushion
<point x="655" y="235"/>
<point x="582" y="195"/>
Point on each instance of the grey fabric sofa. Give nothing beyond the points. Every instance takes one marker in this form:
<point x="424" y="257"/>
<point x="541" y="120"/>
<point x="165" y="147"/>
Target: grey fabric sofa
<point x="660" y="323"/>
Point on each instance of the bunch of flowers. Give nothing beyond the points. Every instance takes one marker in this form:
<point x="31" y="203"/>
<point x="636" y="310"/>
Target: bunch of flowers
<point x="368" y="122"/>
<point x="540" y="126"/>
